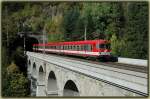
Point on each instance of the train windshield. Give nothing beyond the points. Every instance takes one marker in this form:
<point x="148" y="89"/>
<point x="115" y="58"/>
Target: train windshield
<point x="103" y="46"/>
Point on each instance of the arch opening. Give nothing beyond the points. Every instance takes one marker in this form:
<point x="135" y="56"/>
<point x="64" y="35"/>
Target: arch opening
<point x="41" y="75"/>
<point x="34" y="69"/>
<point x="29" y="64"/>
<point x="70" y="89"/>
<point x="52" y="84"/>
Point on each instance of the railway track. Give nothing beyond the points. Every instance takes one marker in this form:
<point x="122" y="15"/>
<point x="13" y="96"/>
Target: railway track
<point x="130" y="67"/>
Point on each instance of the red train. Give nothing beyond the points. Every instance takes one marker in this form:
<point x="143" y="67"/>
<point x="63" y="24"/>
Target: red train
<point x="99" y="49"/>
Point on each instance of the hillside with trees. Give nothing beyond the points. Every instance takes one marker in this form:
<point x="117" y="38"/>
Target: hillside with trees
<point x="125" y="24"/>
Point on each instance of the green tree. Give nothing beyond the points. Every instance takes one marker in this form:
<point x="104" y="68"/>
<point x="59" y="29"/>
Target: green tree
<point x="14" y="83"/>
<point x="137" y="30"/>
<point x="70" y="21"/>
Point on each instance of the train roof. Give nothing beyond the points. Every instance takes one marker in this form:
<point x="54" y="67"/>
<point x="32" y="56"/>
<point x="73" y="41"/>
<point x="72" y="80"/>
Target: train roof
<point x="75" y="42"/>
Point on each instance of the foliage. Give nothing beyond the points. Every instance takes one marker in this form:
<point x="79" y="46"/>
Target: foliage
<point x="19" y="59"/>
<point x="137" y="30"/>
<point x="67" y="22"/>
<point x="14" y="82"/>
<point x="70" y="21"/>
<point x="12" y="68"/>
<point x="15" y="85"/>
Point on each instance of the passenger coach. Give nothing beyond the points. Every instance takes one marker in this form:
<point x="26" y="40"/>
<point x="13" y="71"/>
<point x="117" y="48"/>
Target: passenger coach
<point x="89" y="48"/>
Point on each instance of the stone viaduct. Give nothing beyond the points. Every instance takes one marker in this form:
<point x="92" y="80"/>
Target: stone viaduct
<point x="55" y="76"/>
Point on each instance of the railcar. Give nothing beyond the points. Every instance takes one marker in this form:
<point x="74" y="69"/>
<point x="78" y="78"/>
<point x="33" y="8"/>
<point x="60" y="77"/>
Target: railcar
<point x="99" y="49"/>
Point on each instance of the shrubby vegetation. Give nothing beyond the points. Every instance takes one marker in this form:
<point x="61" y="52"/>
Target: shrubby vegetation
<point x="14" y="77"/>
<point x="67" y="21"/>
<point x="125" y="24"/>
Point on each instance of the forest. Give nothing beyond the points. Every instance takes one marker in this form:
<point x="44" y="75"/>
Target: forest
<point x="125" y="24"/>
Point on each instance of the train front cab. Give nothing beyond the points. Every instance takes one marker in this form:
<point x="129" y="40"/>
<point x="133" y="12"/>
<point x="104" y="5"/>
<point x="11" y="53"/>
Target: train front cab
<point x="105" y="52"/>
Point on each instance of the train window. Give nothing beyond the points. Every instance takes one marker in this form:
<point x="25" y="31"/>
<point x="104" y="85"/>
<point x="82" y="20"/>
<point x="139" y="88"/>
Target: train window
<point x="78" y="48"/>
<point x="87" y="47"/>
<point x="82" y="47"/>
<point x="59" y="47"/>
<point x="75" y="47"/>
<point x="108" y="46"/>
<point x="103" y="46"/>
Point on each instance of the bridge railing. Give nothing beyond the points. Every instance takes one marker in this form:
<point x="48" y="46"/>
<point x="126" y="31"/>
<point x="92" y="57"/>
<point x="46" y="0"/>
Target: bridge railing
<point x="139" y="62"/>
